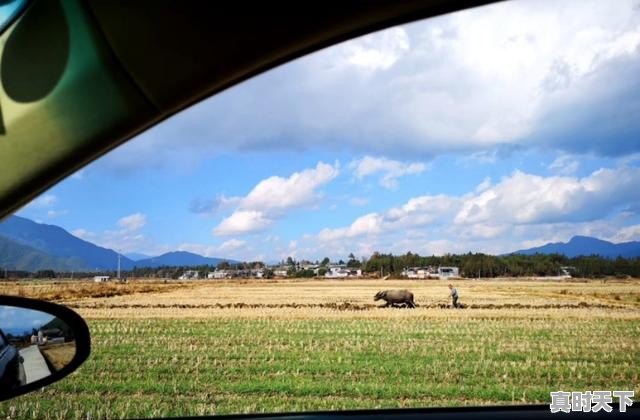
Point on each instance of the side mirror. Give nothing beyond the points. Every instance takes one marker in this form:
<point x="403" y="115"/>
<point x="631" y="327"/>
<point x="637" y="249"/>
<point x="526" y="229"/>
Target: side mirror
<point x="40" y="343"/>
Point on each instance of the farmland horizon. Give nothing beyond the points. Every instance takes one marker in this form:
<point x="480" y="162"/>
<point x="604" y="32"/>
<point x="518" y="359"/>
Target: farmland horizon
<point x="258" y="346"/>
<point x="32" y="247"/>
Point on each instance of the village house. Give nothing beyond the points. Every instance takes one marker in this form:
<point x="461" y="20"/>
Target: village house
<point x="190" y="275"/>
<point x="338" y="271"/>
<point x="430" y="272"/>
<point x="448" y="272"/>
<point x="280" y="271"/>
<point x="419" y="272"/>
<point x="219" y="274"/>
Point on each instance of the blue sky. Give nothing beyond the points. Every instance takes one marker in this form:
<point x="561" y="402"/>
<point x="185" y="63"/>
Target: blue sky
<point x="492" y="129"/>
<point x="16" y="320"/>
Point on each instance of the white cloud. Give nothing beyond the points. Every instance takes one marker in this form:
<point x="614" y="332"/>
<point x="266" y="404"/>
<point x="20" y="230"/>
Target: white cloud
<point x="126" y="238"/>
<point x="524" y="198"/>
<point x="564" y="165"/>
<point x="46" y="200"/>
<point x="45" y="204"/>
<point x="273" y="196"/>
<point x="133" y="222"/>
<point x="483" y="157"/>
<point x="502" y="217"/>
<point x="211" y="206"/>
<point x="484" y="185"/>
<point x="228" y="248"/>
<point x="231" y="245"/>
<point x="446" y="85"/>
<point x="79" y="175"/>
<point x="627" y="234"/>
<point x="241" y="222"/>
<point x="373" y="52"/>
<point x="83" y="234"/>
<point x="369" y="224"/>
<point x="52" y="214"/>
<point x="419" y="211"/>
<point x="391" y="169"/>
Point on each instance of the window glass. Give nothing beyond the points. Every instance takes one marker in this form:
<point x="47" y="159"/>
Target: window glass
<point x="444" y="213"/>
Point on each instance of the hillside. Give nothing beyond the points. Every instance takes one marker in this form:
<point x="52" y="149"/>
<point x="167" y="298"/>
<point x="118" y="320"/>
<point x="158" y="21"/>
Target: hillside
<point x="585" y="245"/>
<point x="55" y="241"/>
<point x="179" y="258"/>
<point x="16" y="256"/>
<point x="30" y="246"/>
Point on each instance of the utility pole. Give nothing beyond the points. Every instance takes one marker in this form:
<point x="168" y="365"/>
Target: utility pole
<point x="118" y="266"/>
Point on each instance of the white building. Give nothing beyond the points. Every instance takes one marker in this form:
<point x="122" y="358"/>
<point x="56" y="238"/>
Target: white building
<point x="101" y="279"/>
<point x="418" y="272"/>
<point x="337" y="272"/>
<point x="565" y="272"/>
<point x="219" y="274"/>
<point x="280" y="271"/>
<point x="190" y="275"/>
<point x="448" y="272"/>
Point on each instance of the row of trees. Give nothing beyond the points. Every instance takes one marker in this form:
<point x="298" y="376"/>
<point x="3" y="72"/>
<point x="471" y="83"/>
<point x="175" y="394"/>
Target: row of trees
<point x="512" y="265"/>
<point x="471" y="266"/>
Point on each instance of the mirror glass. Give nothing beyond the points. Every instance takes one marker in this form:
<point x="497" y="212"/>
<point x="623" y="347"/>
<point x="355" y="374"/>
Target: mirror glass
<point x="33" y="345"/>
<point x="10" y="9"/>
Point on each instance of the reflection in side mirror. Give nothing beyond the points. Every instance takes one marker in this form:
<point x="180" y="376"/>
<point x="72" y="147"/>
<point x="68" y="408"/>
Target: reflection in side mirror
<point x="40" y="343"/>
<point x="35" y="342"/>
<point x="9" y="11"/>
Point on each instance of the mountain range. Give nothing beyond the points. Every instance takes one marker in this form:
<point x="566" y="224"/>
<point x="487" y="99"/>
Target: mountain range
<point x="585" y="245"/>
<point x="30" y="246"/>
<point x="180" y="258"/>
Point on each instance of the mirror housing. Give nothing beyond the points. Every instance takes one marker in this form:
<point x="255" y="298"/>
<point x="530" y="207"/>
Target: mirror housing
<point x="75" y="331"/>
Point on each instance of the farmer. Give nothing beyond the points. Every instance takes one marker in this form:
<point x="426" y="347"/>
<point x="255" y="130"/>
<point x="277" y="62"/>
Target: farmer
<point x="454" y="296"/>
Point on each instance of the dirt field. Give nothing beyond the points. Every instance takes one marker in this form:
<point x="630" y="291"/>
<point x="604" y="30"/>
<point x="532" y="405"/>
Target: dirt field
<point x="215" y="347"/>
<point x="351" y="298"/>
<point x="59" y="355"/>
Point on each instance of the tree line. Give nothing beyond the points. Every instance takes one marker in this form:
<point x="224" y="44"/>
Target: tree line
<point x="471" y="265"/>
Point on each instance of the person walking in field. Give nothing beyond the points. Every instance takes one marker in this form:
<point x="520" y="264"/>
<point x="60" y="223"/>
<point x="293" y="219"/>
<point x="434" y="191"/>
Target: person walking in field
<point x="454" y="296"/>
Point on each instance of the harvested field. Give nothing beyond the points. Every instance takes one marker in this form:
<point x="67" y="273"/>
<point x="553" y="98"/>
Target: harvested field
<point x="255" y="346"/>
<point x="68" y="291"/>
<point x="59" y="355"/>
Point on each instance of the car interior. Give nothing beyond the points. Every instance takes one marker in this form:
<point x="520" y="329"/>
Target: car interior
<point x="81" y="78"/>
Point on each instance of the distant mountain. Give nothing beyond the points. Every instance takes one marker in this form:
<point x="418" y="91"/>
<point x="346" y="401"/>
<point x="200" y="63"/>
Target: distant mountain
<point x="57" y="242"/>
<point x="15" y="256"/>
<point x="30" y="246"/>
<point x="136" y="256"/>
<point x="179" y="258"/>
<point x="585" y="245"/>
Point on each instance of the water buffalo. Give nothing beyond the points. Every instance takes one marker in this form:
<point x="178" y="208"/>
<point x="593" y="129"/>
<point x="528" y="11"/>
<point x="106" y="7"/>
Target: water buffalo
<point x="396" y="298"/>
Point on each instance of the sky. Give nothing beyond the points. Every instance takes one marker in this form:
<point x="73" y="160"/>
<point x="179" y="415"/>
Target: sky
<point x="15" y="320"/>
<point x="487" y="130"/>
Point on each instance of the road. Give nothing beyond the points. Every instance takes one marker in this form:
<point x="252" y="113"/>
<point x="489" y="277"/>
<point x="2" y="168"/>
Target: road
<point x="22" y="377"/>
<point x="34" y="365"/>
